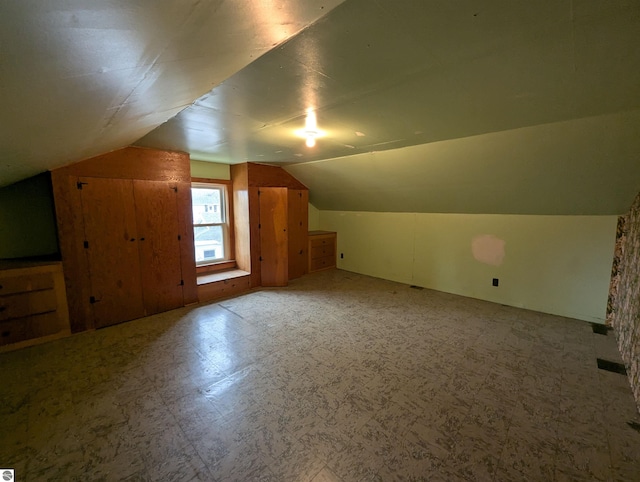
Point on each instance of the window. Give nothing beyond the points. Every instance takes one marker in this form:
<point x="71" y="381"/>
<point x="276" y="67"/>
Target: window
<point x="210" y="222"/>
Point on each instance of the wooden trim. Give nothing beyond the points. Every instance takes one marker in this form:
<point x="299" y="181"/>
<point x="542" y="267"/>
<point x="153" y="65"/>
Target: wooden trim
<point x="215" y="267"/>
<point x="208" y="180"/>
<point x="241" y="221"/>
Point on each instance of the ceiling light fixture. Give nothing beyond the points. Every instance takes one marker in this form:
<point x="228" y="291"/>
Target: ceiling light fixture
<point x="310" y="132"/>
<point x="311" y="128"/>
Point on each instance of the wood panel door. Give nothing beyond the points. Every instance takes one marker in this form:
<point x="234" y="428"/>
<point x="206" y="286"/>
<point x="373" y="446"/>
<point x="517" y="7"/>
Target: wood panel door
<point x="298" y="215"/>
<point x="274" y="250"/>
<point x="159" y="245"/>
<point x="111" y="246"/>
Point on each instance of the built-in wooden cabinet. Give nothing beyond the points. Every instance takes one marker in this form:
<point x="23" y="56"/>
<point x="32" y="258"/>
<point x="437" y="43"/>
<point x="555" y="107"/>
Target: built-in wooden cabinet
<point x="274" y="238"/>
<point x="271" y="219"/>
<point x="33" y="304"/>
<point x="132" y="244"/>
<point x="126" y="237"/>
<point x="298" y="222"/>
<point x="322" y="250"/>
<point x="283" y="234"/>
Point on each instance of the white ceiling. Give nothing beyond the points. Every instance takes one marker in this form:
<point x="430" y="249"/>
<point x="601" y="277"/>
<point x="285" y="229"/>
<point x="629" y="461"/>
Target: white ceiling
<point x="503" y="106"/>
<point x="81" y="78"/>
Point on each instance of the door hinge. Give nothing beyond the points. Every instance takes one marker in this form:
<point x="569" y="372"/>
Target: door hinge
<point x="181" y="282"/>
<point x="300" y="194"/>
<point x="80" y="184"/>
<point x="92" y="299"/>
<point x="175" y="188"/>
<point x="259" y="226"/>
<point x="179" y="238"/>
<point x="86" y="245"/>
<point x="260" y="258"/>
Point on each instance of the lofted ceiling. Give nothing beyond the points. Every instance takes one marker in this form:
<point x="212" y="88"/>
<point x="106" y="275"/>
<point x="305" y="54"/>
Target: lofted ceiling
<point x="81" y="78"/>
<point x="501" y="106"/>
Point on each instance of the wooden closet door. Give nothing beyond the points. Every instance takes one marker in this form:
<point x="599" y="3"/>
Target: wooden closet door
<point x="298" y="214"/>
<point x="158" y="230"/>
<point x="111" y="246"/>
<point x="273" y="236"/>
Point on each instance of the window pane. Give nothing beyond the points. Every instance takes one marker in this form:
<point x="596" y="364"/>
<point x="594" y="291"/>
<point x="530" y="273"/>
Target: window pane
<point x="209" y="243"/>
<point x="207" y="205"/>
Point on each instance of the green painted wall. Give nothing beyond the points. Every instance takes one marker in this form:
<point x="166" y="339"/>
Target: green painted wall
<point x="314" y="218"/>
<point x="553" y="264"/>
<point x="27" y="219"/>
<point x="210" y="170"/>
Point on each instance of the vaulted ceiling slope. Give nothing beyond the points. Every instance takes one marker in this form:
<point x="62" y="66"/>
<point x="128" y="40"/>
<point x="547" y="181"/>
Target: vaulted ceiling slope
<point x="79" y="78"/>
<point x="500" y="106"/>
<point x="516" y="106"/>
<point x="385" y="74"/>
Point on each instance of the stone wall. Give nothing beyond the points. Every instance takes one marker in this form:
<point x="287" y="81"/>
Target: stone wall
<point x="615" y="269"/>
<point x="624" y="307"/>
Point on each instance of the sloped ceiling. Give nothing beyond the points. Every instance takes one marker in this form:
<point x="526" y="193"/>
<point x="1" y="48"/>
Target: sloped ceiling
<point x="81" y="78"/>
<point x="497" y="106"/>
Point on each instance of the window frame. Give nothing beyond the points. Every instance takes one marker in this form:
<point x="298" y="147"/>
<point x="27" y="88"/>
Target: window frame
<point x="228" y="229"/>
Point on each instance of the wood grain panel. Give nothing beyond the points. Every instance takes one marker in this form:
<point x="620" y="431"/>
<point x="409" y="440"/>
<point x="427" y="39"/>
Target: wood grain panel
<point x="24" y="304"/>
<point x="262" y="175"/>
<point x="241" y="221"/>
<point x="254" y="234"/>
<point x="298" y="213"/>
<point x="134" y="163"/>
<point x="129" y="163"/>
<point x="29" y="328"/>
<point x="223" y="288"/>
<point x="109" y="216"/>
<point x="68" y="205"/>
<point x="187" y="248"/>
<point x="322" y="250"/>
<point x="156" y="208"/>
<point x="19" y="284"/>
<point x="273" y="236"/>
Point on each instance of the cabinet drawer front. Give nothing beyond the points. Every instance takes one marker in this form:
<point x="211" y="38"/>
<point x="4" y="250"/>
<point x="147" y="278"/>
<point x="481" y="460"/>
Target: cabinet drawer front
<point x="20" y="329"/>
<point x="322" y="263"/>
<point x="21" y="284"/>
<point x="26" y="304"/>
<point x="219" y="289"/>
<point x="317" y="241"/>
<point x="322" y="251"/>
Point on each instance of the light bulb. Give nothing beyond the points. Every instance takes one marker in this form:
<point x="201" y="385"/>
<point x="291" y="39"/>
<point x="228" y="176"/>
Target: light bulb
<point x="311" y="141"/>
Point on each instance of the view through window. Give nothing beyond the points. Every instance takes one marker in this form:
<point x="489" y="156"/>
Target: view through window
<point x="209" y="223"/>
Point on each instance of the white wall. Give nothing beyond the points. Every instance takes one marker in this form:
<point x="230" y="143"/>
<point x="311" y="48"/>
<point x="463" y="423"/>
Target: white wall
<point x="552" y="264"/>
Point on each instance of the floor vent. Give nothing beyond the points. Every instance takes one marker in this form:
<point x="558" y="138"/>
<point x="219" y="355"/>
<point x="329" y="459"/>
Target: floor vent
<point x="416" y="287"/>
<point x="612" y="366"/>
<point x="600" y="329"/>
<point x="634" y="425"/>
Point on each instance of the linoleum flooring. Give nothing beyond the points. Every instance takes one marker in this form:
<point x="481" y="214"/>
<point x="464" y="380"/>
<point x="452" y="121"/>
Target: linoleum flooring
<point x="338" y="377"/>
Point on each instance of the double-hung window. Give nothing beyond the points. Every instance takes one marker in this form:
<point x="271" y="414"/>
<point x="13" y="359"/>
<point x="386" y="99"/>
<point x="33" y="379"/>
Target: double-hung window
<point x="210" y="223"/>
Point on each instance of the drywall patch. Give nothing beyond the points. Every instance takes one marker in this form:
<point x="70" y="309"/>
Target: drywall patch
<point x="488" y="249"/>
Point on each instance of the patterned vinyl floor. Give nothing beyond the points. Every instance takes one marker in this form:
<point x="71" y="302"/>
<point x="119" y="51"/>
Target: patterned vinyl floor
<point x="339" y="377"/>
